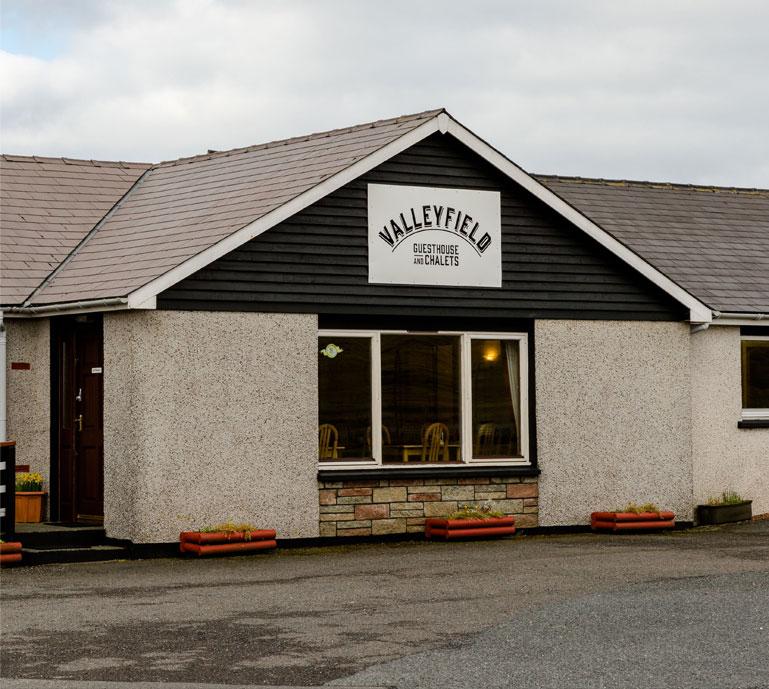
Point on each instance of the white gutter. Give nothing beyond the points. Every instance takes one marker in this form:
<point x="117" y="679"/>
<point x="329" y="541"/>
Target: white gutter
<point x="736" y="318"/>
<point x="3" y="365"/>
<point x="745" y="316"/>
<point x="71" y="307"/>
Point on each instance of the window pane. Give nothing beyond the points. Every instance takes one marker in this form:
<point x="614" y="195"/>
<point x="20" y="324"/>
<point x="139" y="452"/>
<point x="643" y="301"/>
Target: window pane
<point x="496" y="398"/>
<point x="344" y="398"/>
<point x="755" y="374"/>
<point x="420" y="398"/>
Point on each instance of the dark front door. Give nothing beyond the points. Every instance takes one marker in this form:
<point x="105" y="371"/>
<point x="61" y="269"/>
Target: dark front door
<point x="78" y="400"/>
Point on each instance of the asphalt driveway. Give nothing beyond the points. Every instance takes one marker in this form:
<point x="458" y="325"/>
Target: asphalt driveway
<point x="685" y="609"/>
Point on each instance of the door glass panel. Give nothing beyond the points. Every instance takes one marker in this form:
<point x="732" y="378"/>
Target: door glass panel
<point x="66" y="393"/>
<point x="496" y="398"/>
<point x="344" y="399"/>
<point x="421" y="399"/>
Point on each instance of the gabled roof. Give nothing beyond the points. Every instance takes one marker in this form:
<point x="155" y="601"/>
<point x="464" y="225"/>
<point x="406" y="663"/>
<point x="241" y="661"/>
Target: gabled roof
<point x="47" y="206"/>
<point x="177" y="217"/>
<point x="713" y="241"/>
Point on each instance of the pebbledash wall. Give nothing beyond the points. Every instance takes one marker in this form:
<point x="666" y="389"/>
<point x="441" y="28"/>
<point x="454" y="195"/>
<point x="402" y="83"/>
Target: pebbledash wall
<point x="29" y="391"/>
<point x="209" y="417"/>
<point x="613" y="420"/>
<point x="213" y="416"/>
<point x="613" y="417"/>
<point x="724" y="456"/>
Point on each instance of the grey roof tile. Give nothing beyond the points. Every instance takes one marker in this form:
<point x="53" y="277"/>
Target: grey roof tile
<point x="47" y="206"/>
<point x="182" y="207"/>
<point x="712" y="241"/>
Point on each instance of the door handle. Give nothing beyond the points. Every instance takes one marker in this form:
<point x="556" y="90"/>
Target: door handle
<point x="79" y="422"/>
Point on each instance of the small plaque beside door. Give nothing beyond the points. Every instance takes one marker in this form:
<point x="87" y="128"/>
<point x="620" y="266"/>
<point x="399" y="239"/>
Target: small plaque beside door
<point x="97" y="369"/>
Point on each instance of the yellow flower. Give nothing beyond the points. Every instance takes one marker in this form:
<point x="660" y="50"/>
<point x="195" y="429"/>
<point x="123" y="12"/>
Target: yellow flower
<point x="29" y="482"/>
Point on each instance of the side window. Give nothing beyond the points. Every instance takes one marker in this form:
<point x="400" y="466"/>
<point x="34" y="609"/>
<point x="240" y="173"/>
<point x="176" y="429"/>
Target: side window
<point x="755" y="376"/>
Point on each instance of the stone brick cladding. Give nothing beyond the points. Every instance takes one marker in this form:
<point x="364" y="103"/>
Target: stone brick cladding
<point x="391" y="506"/>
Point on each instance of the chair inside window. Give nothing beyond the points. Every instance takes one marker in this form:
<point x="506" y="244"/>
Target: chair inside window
<point x="328" y="441"/>
<point x="486" y="440"/>
<point x="435" y="443"/>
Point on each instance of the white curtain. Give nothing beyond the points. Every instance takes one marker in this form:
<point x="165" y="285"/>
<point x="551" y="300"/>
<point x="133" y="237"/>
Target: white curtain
<point x="514" y="375"/>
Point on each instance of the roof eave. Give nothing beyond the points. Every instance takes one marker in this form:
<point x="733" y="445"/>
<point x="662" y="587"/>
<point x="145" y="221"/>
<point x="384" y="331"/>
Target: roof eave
<point x="76" y="307"/>
<point x="85" y="306"/>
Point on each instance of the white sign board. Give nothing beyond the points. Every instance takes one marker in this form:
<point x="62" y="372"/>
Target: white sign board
<point x="434" y="236"/>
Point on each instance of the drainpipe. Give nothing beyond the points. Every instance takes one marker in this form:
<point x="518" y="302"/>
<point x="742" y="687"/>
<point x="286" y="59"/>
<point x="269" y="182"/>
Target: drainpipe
<point x="3" y="365"/>
<point x="699" y="327"/>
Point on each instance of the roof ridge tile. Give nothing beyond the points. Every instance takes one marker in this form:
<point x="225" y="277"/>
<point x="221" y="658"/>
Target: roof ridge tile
<point x="647" y="184"/>
<point x="44" y="160"/>
<point x="426" y="114"/>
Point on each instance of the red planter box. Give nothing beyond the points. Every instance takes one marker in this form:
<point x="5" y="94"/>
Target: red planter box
<point x="223" y="542"/>
<point x="452" y="529"/>
<point x="629" y="521"/>
<point x="10" y="553"/>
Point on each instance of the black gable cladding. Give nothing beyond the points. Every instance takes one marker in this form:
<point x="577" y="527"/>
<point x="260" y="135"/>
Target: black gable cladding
<point x="317" y="260"/>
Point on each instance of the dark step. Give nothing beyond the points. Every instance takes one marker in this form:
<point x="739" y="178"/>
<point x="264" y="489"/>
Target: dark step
<point x="75" y="537"/>
<point x="56" y="555"/>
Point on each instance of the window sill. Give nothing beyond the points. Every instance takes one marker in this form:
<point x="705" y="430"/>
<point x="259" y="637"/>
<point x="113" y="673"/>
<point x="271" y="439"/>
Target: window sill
<point x="464" y="470"/>
<point x="753" y="423"/>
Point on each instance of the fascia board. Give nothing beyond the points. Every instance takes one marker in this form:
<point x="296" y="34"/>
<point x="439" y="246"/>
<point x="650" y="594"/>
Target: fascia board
<point x="698" y="312"/>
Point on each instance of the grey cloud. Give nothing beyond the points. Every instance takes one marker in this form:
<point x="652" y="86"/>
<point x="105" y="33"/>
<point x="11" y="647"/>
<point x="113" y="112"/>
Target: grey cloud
<point x="653" y="90"/>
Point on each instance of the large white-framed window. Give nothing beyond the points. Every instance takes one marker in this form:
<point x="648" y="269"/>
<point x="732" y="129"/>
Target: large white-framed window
<point x="411" y="399"/>
<point x="754" y="356"/>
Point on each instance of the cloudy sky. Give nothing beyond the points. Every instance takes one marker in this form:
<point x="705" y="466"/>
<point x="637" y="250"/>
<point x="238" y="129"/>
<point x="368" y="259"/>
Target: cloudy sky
<point x="664" y="90"/>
